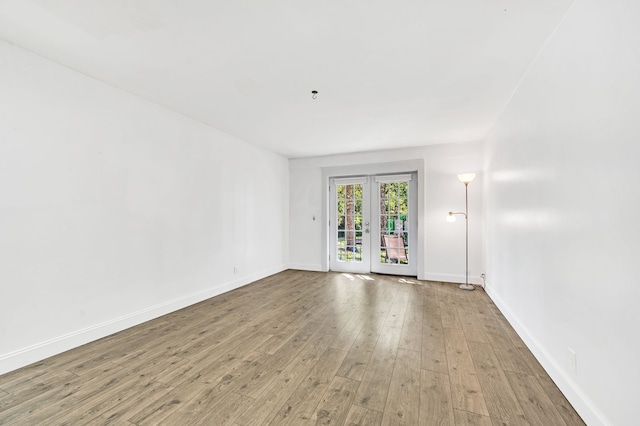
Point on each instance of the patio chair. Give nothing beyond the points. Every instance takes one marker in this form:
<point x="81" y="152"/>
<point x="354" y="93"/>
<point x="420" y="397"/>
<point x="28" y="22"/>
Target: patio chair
<point x="394" y="245"/>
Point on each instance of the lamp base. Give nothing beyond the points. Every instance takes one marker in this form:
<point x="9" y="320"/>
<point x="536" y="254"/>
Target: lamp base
<point x="466" y="287"/>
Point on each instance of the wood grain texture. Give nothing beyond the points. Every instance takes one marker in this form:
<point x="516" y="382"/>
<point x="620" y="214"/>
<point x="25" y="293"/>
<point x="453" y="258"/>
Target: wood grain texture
<point x="471" y="419"/>
<point x="374" y="386"/>
<point x="300" y="348"/>
<point x="282" y="387"/>
<point x="502" y="402"/>
<point x="458" y="356"/>
<point x="360" y="416"/>
<point x="436" y="405"/>
<point x="403" y="399"/>
<point x="467" y="394"/>
<point x="301" y="405"/>
<point x="411" y="337"/>
<point x="335" y="403"/>
<point x="535" y="403"/>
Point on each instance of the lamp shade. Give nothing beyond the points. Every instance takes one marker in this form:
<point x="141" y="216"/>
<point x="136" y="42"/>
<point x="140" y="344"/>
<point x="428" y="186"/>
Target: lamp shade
<point x="466" y="177"/>
<point x="451" y="217"/>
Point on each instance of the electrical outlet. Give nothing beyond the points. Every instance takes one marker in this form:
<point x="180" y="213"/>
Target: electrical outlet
<point x="573" y="362"/>
<point x="235" y="269"/>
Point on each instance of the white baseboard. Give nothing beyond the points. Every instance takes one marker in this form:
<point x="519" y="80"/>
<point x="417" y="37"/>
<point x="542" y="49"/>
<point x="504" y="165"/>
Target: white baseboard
<point x="582" y="404"/>
<point x="28" y="355"/>
<point x="451" y="278"/>
<point x="304" y="267"/>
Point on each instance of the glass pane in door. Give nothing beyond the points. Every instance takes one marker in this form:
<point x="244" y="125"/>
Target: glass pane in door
<point x="394" y="222"/>
<point x="349" y="221"/>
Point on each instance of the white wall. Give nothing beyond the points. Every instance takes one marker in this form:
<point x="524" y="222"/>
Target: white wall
<point x="563" y="235"/>
<point x="114" y="210"/>
<point x="442" y="244"/>
<point x="445" y="242"/>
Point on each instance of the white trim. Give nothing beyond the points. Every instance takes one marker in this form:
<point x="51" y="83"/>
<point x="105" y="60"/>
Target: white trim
<point x="354" y="267"/>
<point x="410" y="269"/>
<point x="39" y="351"/>
<point x="451" y="278"/>
<point x="581" y="403"/>
<point x="404" y="166"/>
<point x="305" y="267"/>
<point x="393" y="178"/>
<point x="356" y="180"/>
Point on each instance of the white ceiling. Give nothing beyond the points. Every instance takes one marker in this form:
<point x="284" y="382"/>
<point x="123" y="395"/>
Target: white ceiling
<point x="389" y="74"/>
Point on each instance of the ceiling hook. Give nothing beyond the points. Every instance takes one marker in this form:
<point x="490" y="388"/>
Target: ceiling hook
<point x="314" y="94"/>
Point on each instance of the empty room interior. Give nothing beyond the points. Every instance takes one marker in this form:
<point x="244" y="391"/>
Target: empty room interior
<point x="288" y="212"/>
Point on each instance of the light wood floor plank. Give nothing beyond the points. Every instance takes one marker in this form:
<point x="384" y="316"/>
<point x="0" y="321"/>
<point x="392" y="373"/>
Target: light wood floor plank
<point x="94" y="403"/>
<point x="300" y="347"/>
<point x="432" y="332"/>
<point x="360" y="416"/>
<point x="282" y="387"/>
<point x="188" y="389"/>
<point x="374" y="386"/>
<point x="131" y="405"/>
<point x="436" y="405"/>
<point x="506" y="351"/>
<point x="403" y="401"/>
<point x="471" y="324"/>
<point x="435" y="361"/>
<point x="502" y="402"/>
<point x="535" y="403"/>
<point x="465" y="418"/>
<point x="467" y="394"/>
<point x="411" y="337"/>
<point x="261" y="375"/>
<point x="207" y="409"/>
<point x="355" y="364"/>
<point x="347" y="336"/>
<point x="398" y="310"/>
<point x="301" y="405"/>
<point x="356" y="361"/>
<point x="563" y="406"/>
<point x="450" y="317"/>
<point x="83" y="396"/>
<point x="31" y="400"/>
<point x="569" y="415"/>
<point x="336" y="402"/>
<point x="458" y="355"/>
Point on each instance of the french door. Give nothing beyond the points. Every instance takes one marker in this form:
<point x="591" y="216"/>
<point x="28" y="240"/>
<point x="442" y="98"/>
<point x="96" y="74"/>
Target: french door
<point x="373" y="223"/>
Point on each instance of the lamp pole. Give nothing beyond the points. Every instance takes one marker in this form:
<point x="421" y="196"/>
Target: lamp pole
<point x="466" y="285"/>
<point x="465" y="178"/>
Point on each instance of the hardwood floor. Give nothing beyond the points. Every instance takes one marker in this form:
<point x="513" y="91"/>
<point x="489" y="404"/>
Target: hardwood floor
<point x="300" y="348"/>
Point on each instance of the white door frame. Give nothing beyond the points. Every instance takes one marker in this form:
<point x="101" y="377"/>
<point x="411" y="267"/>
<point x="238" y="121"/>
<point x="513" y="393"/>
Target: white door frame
<point x="407" y="166"/>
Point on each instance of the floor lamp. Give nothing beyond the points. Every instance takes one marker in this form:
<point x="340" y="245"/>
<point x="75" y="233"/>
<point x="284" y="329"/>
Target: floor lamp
<point x="465" y="178"/>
